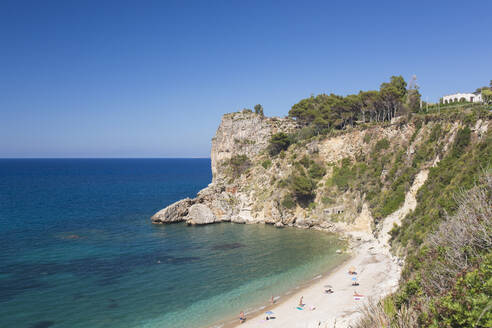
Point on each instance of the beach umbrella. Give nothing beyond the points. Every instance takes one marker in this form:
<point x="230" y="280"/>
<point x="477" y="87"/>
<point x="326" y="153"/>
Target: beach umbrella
<point x="328" y="286"/>
<point x="352" y="269"/>
<point x="269" y="312"/>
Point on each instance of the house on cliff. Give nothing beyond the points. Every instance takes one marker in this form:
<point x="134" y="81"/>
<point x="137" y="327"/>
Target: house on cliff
<point x="475" y="97"/>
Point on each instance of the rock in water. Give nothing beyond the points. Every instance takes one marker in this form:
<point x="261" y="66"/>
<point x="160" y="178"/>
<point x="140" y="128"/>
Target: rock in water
<point x="175" y="212"/>
<point x="200" y="214"/>
<point x="279" y="225"/>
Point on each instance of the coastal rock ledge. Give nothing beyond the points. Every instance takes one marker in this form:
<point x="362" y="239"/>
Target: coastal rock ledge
<point x="185" y="210"/>
<point x="200" y="214"/>
<point x="174" y="213"/>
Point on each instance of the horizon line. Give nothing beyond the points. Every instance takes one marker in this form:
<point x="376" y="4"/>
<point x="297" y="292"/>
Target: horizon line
<point x="104" y="158"/>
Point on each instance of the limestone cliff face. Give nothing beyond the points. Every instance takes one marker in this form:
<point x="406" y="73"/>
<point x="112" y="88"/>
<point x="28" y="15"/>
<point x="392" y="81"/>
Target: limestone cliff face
<point x="243" y="133"/>
<point x="256" y="193"/>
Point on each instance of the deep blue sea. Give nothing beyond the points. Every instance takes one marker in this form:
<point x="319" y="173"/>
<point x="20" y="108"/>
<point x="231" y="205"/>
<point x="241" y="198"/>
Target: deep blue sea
<point x="77" y="248"/>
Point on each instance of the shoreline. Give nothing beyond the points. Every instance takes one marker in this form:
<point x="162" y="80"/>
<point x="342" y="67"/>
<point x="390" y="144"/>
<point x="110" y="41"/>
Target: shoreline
<point x="280" y="299"/>
<point x="377" y="273"/>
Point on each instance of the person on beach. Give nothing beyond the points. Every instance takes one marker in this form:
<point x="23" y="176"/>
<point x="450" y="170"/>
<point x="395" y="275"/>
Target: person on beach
<point x="242" y="317"/>
<point x="272" y="300"/>
<point x="300" y="302"/>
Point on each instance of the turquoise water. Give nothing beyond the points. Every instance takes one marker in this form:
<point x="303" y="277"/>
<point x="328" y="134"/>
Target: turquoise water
<point x="78" y="249"/>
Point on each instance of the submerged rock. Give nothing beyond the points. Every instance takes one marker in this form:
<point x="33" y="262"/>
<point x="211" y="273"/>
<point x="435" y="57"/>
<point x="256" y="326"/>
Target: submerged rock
<point x="200" y="214"/>
<point x="227" y="246"/>
<point x="42" y="324"/>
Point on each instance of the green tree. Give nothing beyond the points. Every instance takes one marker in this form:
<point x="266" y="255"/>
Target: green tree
<point x="370" y="102"/>
<point x="304" y="111"/>
<point x="391" y="101"/>
<point x="487" y="96"/>
<point x="278" y="142"/>
<point x="413" y="100"/>
<point x="303" y="188"/>
<point x="392" y="96"/>
<point x="398" y="82"/>
<point x="259" y="110"/>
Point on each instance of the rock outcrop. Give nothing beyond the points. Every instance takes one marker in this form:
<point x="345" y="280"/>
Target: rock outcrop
<point x="244" y="133"/>
<point x="200" y="214"/>
<point x="174" y="212"/>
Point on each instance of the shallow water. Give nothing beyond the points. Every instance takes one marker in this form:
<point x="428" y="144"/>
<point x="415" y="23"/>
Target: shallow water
<point x="78" y="249"/>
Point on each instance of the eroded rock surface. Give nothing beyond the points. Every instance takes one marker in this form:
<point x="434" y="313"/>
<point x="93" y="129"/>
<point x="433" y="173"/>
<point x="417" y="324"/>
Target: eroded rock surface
<point x="174" y="212"/>
<point x="200" y="214"/>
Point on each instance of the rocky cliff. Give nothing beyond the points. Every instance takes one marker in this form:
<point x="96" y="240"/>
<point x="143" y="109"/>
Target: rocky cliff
<point x="365" y="173"/>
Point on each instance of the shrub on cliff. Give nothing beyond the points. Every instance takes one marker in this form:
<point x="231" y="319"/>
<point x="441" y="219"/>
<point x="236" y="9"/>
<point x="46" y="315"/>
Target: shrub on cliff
<point x="259" y="110"/>
<point x="316" y="171"/>
<point x="266" y="164"/>
<point x="303" y="188"/>
<point x="462" y="140"/>
<point x="288" y="202"/>
<point x="381" y="144"/>
<point x="239" y="164"/>
<point x="342" y="175"/>
<point x="278" y="142"/>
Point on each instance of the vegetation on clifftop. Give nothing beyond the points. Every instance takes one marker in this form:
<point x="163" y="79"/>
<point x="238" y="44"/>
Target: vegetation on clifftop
<point x="325" y="112"/>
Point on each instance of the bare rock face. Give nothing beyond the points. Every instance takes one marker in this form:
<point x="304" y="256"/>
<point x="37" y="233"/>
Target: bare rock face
<point x="244" y="133"/>
<point x="200" y="214"/>
<point x="173" y="213"/>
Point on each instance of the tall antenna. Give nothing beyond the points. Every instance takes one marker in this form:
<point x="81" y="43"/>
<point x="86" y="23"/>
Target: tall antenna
<point x="413" y="83"/>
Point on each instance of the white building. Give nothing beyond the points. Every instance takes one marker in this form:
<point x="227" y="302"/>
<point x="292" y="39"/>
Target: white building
<point x="457" y="97"/>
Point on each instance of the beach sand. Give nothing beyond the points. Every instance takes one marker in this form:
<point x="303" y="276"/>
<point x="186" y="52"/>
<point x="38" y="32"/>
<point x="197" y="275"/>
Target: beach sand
<point x="377" y="273"/>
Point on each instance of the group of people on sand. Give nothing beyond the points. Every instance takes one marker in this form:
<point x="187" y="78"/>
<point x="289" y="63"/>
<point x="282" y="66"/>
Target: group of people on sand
<point x="352" y="272"/>
<point x="329" y="290"/>
<point x="242" y="317"/>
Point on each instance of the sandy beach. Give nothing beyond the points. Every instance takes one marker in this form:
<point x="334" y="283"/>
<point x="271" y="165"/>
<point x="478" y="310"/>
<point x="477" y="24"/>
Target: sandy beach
<point x="377" y="275"/>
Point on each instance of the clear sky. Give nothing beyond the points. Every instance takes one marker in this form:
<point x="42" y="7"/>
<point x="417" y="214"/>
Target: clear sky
<point x="153" y="78"/>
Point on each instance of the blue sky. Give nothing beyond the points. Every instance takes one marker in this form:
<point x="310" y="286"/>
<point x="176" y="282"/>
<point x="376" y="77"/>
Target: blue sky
<point x="153" y="78"/>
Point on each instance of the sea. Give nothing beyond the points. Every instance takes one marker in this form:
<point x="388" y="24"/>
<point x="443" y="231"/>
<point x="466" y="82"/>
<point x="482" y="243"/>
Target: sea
<point x="77" y="249"/>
